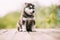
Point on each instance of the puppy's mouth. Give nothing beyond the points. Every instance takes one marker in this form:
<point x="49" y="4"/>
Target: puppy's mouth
<point x="31" y="11"/>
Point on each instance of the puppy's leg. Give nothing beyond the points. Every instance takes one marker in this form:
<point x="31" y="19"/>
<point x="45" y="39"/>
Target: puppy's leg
<point x="33" y="26"/>
<point x="23" y="25"/>
<point x="19" y="27"/>
<point x="28" y="25"/>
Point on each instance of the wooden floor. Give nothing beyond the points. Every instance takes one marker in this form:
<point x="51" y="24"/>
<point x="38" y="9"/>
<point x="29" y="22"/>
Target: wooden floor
<point x="41" y="34"/>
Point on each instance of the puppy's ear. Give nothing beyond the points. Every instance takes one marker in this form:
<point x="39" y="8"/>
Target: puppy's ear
<point x="26" y="3"/>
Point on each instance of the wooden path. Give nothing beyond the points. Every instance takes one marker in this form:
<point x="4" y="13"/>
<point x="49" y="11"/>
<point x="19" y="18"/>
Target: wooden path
<point x="41" y="34"/>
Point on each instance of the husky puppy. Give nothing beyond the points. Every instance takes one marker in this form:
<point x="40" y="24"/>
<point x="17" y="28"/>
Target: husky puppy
<point x="27" y="19"/>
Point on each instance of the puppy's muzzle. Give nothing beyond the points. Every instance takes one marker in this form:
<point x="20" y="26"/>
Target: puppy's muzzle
<point x="32" y="12"/>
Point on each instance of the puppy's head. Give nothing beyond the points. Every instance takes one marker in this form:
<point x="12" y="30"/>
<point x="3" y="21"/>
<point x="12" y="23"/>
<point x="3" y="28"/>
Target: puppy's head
<point x="29" y="8"/>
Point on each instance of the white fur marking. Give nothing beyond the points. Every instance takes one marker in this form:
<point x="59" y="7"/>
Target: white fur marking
<point x="29" y="11"/>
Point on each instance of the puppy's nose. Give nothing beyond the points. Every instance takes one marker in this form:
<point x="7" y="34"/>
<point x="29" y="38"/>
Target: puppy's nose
<point x="33" y="11"/>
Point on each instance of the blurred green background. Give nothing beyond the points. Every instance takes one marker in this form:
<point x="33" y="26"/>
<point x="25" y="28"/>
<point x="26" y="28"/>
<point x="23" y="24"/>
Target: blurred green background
<point x="46" y="17"/>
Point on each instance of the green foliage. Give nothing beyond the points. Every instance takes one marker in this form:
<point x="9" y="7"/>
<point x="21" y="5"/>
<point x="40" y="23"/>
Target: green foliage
<point x="46" y="17"/>
<point x="2" y="25"/>
<point x="10" y="20"/>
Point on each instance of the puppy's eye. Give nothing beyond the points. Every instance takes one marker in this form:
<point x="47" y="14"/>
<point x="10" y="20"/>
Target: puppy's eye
<point x="31" y="6"/>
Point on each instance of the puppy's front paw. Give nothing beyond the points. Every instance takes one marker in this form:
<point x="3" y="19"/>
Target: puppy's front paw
<point x="20" y="30"/>
<point x="23" y="30"/>
<point x="34" y="30"/>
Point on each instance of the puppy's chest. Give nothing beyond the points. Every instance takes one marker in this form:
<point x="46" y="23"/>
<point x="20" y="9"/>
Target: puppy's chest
<point x="28" y="19"/>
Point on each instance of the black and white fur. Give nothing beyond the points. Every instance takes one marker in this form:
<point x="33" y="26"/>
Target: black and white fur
<point x="27" y="19"/>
